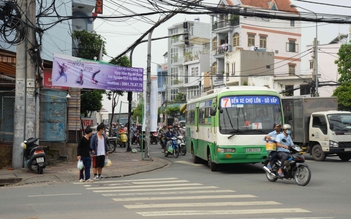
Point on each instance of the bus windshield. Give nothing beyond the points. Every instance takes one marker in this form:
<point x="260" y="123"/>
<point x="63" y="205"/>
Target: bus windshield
<point x="249" y="114"/>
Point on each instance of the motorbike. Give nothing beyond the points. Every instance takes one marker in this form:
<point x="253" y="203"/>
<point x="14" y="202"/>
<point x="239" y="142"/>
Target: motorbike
<point x="172" y="148"/>
<point x="294" y="168"/>
<point x="111" y="143"/>
<point x="122" y="139"/>
<point x="153" y="137"/>
<point x="181" y="145"/>
<point x="34" y="155"/>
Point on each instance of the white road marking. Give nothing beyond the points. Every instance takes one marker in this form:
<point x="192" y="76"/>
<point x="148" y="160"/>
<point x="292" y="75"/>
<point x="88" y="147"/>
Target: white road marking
<point x="133" y="180"/>
<point x="143" y="186"/>
<point x="182" y="197"/>
<point x="222" y="212"/>
<point x="188" y="163"/>
<point x="52" y="195"/>
<point x="169" y="192"/>
<point x="208" y="204"/>
<point x="157" y="189"/>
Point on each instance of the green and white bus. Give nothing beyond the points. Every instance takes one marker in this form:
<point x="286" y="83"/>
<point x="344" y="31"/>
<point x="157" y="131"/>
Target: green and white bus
<point x="222" y="127"/>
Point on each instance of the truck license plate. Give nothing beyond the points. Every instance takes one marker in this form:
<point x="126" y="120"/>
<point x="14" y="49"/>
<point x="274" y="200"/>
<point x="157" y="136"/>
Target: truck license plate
<point x="40" y="159"/>
<point x="347" y="149"/>
<point x="253" y="149"/>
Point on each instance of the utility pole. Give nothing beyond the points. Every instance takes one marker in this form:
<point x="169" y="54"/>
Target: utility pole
<point x="25" y="115"/>
<point x="147" y="102"/>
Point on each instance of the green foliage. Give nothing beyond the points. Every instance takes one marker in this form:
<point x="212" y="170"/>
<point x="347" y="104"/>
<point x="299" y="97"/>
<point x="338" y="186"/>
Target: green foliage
<point x="343" y="92"/>
<point x="344" y="63"/>
<point x="90" y="102"/>
<point x="123" y="61"/>
<point x="173" y="111"/>
<point x="180" y="97"/>
<point x="138" y="112"/>
<point x="89" y="44"/>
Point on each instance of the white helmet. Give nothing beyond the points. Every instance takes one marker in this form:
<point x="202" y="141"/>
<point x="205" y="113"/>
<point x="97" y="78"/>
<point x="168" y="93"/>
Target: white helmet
<point x="286" y="126"/>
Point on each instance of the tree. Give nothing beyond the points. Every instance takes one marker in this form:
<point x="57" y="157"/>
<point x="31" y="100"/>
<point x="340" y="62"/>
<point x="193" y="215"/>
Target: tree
<point x="114" y="95"/>
<point x="88" y="44"/>
<point x="344" y="63"/>
<point x="173" y="111"/>
<point x="343" y="92"/>
<point x="180" y="97"/>
<point x="138" y="112"/>
<point x="90" y="102"/>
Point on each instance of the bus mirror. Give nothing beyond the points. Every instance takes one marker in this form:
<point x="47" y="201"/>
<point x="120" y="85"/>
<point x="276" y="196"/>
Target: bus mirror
<point x="220" y="109"/>
<point x="212" y="111"/>
<point x="331" y="126"/>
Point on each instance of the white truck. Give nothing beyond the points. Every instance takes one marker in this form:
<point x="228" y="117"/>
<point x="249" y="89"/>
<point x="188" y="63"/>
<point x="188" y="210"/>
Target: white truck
<point x="318" y="127"/>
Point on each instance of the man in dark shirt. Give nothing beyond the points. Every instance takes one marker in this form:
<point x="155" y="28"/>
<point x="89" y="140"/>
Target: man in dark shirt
<point x="83" y="153"/>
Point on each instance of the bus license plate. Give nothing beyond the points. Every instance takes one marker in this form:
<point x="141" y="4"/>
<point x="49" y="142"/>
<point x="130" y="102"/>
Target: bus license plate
<point x="40" y="159"/>
<point x="253" y="149"/>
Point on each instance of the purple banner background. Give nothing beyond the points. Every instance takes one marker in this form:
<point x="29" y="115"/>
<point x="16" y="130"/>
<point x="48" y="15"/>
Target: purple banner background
<point x="84" y="74"/>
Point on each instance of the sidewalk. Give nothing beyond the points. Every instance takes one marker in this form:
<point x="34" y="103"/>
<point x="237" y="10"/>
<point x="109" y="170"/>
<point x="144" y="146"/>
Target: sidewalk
<point x="123" y="164"/>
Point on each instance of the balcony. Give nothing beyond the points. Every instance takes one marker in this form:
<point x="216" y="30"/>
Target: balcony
<point x="225" y="25"/>
<point x="222" y="49"/>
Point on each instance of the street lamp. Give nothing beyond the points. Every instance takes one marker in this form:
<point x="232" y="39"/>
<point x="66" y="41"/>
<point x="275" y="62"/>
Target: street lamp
<point x="315" y="49"/>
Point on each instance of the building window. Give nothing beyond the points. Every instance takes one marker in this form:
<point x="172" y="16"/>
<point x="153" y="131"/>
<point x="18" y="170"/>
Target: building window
<point x="292" y="69"/>
<point x="289" y="90"/>
<point x="195" y="71"/>
<point x="174" y="55"/>
<point x="174" y="93"/>
<point x="236" y="39"/>
<point x="251" y="39"/>
<point x="305" y="89"/>
<point x="263" y="42"/>
<point x="292" y="46"/>
<point x="174" y="76"/>
<point x="292" y="23"/>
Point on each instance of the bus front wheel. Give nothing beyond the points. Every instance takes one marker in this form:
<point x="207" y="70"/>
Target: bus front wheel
<point x="212" y="165"/>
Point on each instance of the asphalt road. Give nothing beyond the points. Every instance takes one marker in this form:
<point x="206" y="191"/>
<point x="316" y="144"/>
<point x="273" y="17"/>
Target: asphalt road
<point x="187" y="190"/>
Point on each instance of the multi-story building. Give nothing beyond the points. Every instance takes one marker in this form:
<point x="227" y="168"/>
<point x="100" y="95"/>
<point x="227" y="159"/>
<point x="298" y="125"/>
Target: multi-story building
<point x="188" y="58"/>
<point x="232" y="34"/>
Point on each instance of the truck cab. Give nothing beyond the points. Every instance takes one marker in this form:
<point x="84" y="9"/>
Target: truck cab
<point x="330" y="133"/>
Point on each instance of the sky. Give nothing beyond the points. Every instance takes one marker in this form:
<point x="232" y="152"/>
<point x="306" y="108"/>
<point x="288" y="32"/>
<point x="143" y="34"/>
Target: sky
<point x="119" y="34"/>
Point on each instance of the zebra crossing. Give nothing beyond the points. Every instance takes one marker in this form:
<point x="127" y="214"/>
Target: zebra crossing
<point x="165" y="197"/>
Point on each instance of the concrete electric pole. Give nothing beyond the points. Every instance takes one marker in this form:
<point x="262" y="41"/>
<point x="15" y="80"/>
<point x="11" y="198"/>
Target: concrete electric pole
<point x="25" y="115"/>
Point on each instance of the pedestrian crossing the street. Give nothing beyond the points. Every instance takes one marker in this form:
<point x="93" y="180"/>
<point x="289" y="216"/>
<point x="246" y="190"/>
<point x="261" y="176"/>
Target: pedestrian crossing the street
<point x="166" y="197"/>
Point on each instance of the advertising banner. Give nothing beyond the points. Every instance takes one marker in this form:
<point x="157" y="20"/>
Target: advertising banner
<point x="152" y="108"/>
<point x="81" y="73"/>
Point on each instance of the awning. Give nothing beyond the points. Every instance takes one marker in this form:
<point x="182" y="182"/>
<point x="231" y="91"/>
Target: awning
<point x="8" y="69"/>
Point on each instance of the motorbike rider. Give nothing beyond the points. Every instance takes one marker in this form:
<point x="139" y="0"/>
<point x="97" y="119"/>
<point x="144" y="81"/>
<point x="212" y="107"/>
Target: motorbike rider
<point x="176" y="130"/>
<point x="272" y="136"/>
<point x="284" y="141"/>
<point x="169" y="134"/>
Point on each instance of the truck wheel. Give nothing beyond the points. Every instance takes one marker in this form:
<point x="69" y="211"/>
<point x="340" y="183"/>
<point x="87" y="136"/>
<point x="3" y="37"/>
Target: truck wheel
<point x="345" y="157"/>
<point x="317" y="153"/>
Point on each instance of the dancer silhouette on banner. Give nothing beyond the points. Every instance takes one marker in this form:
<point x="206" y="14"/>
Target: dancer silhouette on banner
<point x="80" y="78"/>
<point x="94" y="75"/>
<point x="62" y="72"/>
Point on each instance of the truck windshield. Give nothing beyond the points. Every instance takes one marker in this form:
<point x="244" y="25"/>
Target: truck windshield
<point x="249" y="114"/>
<point x="340" y="123"/>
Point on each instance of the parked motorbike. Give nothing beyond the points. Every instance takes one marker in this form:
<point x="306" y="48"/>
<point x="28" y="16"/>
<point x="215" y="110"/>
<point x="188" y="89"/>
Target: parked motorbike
<point x="172" y="147"/>
<point x="153" y="137"/>
<point x="111" y="143"/>
<point x="181" y="145"/>
<point x="34" y="155"/>
<point x="294" y="168"/>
